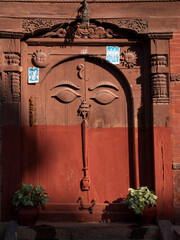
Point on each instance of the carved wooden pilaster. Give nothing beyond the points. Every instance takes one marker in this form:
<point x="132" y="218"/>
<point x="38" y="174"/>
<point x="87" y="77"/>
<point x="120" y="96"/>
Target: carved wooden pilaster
<point x="12" y="77"/>
<point x="159" y="88"/>
<point x="159" y="77"/>
<point x="159" y="67"/>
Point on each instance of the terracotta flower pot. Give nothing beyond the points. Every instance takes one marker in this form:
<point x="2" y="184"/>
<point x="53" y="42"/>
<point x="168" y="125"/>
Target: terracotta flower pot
<point x="147" y="216"/>
<point x="27" y="215"/>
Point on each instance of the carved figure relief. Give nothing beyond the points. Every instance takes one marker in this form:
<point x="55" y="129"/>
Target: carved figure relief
<point x="40" y="59"/>
<point x="128" y="59"/>
<point x="84" y="109"/>
<point x="159" y="88"/>
<point x="80" y="31"/>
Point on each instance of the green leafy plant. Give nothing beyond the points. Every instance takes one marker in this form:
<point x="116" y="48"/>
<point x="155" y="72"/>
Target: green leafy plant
<point x="27" y="195"/>
<point x="138" y="198"/>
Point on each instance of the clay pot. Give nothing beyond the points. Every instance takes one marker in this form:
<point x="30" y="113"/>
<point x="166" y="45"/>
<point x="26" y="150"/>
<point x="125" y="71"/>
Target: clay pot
<point x="147" y="216"/>
<point x="27" y="215"/>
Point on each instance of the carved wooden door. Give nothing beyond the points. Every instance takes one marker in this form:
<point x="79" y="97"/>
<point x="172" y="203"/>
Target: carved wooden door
<point x="82" y="135"/>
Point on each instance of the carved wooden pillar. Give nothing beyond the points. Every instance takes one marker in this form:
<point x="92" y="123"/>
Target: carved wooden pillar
<point x="159" y="61"/>
<point x="11" y="97"/>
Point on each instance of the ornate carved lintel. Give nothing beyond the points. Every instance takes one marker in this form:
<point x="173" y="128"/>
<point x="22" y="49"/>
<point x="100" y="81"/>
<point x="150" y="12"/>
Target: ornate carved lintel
<point x="29" y="26"/>
<point x="159" y="89"/>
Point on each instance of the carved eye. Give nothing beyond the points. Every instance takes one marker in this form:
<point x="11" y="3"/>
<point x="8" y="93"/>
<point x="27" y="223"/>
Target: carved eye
<point x="104" y="97"/>
<point x="66" y="95"/>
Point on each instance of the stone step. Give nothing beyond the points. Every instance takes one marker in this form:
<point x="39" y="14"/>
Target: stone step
<point x="86" y="231"/>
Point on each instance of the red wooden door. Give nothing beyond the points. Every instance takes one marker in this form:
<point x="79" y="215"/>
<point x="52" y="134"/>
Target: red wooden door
<point x="60" y="166"/>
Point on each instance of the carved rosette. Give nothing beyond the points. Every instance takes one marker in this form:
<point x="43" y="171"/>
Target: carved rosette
<point x="40" y="59"/>
<point x="128" y="59"/>
<point x="159" y="88"/>
<point x="159" y="60"/>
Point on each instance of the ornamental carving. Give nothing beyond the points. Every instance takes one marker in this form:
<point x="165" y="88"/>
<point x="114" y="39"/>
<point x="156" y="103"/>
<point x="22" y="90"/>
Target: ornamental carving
<point x="159" y="60"/>
<point x="15" y="86"/>
<point x="137" y="25"/>
<point x="12" y="77"/>
<point x="40" y="59"/>
<point x="66" y="95"/>
<point x="79" y="31"/>
<point x="31" y="111"/>
<point x="159" y="88"/>
<point x="12" y="59"/>
<point x="31" y="25"/>
<point x="104" y="97"/>
<point x="175" y="77"/>
<point x="128" y="59"/>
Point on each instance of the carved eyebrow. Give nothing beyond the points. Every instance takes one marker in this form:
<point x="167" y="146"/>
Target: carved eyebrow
<point x="66" y="83"/>
<point x="104" y="84"/>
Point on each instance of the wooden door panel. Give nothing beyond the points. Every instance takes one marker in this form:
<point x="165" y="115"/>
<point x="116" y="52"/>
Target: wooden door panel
<point x="58" y="152"/>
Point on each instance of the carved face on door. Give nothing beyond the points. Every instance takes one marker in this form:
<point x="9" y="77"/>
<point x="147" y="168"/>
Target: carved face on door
<point x="78" y="88"/>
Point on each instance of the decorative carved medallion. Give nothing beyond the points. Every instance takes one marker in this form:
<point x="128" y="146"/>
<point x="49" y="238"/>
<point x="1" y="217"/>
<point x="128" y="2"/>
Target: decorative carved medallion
<point x="40" y="59"/>
<point x="104" y="97"/>
<point x="175" y="77"/>
<point x="159" y="88"/>
<point x="159" y="60"/>
<point x="128" y="59"/>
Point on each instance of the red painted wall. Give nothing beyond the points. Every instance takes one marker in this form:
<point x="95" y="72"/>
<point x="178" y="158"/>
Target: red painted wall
<point x="175" y="118"/>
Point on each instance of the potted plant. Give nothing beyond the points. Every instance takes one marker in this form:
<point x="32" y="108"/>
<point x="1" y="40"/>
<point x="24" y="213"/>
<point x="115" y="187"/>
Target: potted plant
<point x="27" y="200"/>
<point x="142" y="201"/>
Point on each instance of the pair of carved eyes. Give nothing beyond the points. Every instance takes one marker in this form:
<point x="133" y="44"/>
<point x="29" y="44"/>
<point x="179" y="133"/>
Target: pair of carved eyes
<point x="67" y="95"/>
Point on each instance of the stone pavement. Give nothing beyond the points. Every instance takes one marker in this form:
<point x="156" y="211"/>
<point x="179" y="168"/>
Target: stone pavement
<point x="89" y="231"/>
